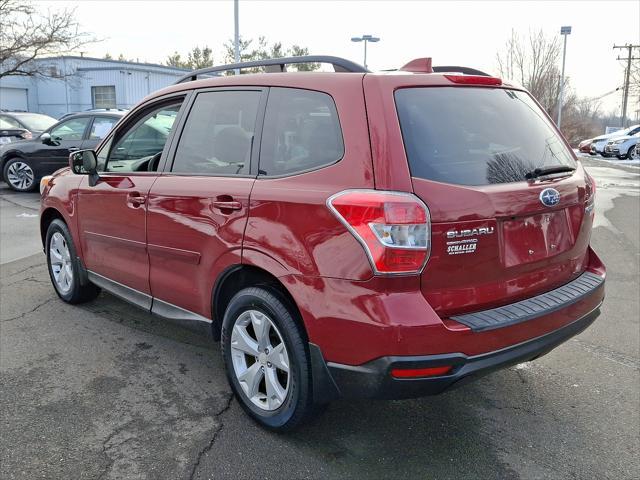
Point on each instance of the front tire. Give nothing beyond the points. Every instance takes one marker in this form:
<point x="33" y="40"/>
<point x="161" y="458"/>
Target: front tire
<point x="266" y="359"/>
<point x="632" y="154"/>
<point x="64" y="266"/>
<point x="19" y="175"/>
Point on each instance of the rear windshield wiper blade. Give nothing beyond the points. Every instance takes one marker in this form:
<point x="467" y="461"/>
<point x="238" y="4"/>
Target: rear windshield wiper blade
<point x="541" y="172"/>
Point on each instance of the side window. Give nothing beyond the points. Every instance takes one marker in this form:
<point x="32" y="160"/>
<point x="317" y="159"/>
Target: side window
<point x="301" y="132"/>
<point x="101" y="126"/>
<point x="70" y="130"/>
<point x="140" y="147"/>
<point x="218" y="134"/>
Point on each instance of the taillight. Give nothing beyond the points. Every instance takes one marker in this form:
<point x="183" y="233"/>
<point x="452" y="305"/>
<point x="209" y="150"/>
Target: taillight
<point x="393" y="227"/>
<point x="590" y="195"/>
<point x="27" y="135"/>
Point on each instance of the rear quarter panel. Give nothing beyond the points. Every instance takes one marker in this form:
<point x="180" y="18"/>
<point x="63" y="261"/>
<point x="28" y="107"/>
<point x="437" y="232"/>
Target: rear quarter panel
<point x="290" y="229"/>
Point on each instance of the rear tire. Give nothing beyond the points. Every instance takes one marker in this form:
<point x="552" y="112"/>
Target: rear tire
<point x="262" y="347"/>
<point x="19" y="175"/>
<point x="64" y="266"/>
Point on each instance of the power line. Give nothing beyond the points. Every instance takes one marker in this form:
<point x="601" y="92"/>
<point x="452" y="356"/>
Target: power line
<point x="629" y="57"/>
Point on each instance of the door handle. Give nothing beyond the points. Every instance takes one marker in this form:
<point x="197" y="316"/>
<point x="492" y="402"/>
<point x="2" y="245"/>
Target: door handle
<point x="73" y="149"/>
<point x="135" y="199"/>
<point x="226" y="205"/>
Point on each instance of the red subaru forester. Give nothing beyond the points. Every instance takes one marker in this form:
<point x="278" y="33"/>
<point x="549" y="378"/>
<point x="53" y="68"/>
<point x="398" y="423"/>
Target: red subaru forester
<point x="343" y="233"/>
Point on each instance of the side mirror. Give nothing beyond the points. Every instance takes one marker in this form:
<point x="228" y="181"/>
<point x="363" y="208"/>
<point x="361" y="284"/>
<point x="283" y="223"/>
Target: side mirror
<point x="85" y="162"/>
<point x="45" y="138"/>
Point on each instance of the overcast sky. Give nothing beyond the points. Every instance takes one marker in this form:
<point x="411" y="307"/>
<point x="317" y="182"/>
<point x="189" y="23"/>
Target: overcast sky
<point x="453" y="33"/>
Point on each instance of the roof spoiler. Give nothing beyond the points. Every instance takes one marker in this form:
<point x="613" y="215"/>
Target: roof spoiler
<point x="424" y="65"/>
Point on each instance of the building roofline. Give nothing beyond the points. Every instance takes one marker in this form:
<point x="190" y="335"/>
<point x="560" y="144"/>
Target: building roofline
<point x="106" y="60"/>
<point x="133" y="69"/>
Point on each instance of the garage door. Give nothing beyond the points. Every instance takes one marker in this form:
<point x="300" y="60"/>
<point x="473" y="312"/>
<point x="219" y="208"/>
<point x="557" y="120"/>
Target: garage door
<point x="13" y="99"/>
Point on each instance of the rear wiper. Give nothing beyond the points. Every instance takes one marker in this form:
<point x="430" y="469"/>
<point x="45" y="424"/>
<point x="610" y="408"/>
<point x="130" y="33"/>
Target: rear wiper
<point x="541" y="172"/>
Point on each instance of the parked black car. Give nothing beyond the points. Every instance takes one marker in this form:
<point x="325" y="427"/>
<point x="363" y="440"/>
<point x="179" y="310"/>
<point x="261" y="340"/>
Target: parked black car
<point x="23" y="163"/>
<point x="36" y="123"/>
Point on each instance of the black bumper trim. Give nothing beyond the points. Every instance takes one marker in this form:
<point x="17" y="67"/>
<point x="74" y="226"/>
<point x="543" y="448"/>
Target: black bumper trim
<point x="533" y="307"/>
<point x="374" y="380"/>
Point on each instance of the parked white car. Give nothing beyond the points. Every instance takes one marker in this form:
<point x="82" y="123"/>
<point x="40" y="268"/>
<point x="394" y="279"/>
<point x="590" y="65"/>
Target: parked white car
<point x="598" y="143"/>
<point x="623" y="147"/>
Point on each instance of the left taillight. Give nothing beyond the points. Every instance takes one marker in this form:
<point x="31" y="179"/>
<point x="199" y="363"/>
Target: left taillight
<point x="393" y="227"/>
<point x="590" y="195"/>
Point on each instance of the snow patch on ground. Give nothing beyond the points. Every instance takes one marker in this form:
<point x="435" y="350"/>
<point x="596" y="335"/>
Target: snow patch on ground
<point x="610" y="184"/>
<point x="611" y="160"/>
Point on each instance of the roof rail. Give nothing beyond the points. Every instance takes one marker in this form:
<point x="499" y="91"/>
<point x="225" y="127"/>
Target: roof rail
<point x="339" y="65"/>
<point x="464" y="70"/>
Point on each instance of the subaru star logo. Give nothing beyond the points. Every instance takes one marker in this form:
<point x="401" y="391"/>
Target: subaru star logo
<point x="550" y="197"/>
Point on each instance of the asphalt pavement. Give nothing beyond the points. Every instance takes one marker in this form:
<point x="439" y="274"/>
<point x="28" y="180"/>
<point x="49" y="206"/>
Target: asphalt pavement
<point x="103" y="390"/>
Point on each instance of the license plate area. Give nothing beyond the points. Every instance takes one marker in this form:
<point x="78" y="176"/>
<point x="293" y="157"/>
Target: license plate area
<point x="535" y="237"/>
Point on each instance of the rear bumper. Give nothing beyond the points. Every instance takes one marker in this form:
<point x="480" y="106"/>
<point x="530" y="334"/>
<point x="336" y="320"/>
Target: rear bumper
<point x="374" y="379"/>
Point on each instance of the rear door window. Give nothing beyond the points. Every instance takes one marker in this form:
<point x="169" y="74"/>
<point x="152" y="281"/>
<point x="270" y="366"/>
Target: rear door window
<point x="301" y="132"/>
<point x="101" y="126"/>
<point x="218" y="134"/>
<point x="476" y="136"/>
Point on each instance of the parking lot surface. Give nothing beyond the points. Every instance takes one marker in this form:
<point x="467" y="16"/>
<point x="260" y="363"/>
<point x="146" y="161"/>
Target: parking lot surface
<point x="103" y="390"/>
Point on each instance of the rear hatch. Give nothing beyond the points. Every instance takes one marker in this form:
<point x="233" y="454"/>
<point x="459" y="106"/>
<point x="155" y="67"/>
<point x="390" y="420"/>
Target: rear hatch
<point x="497" y="237"/>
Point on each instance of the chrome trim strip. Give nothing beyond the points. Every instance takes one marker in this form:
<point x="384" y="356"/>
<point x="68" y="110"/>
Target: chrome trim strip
<point x="100" y="237"/>
<point x="129" y="294"/>
<point x="186" y="256"/>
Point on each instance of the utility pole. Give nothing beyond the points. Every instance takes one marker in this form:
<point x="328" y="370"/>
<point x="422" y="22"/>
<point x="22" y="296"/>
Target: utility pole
<point x="625" y="97"/>
<point x="564" y="31"/>
<point x="236" y="34"/>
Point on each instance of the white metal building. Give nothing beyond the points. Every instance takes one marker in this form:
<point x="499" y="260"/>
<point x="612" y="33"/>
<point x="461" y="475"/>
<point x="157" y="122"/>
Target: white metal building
<point x="83" y="83"/>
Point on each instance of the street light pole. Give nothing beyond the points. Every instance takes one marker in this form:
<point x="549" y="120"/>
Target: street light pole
<point x="236" y="35"/>
<point x="564" y="31"/>
<point x="365" y="39"/>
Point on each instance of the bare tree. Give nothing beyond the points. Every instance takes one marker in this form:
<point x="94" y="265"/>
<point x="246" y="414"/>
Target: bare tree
<point x="533" y="62"/>
<point x="27" y="35"/>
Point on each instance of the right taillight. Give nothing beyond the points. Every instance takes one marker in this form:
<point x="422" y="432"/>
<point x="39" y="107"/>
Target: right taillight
<point x="393" y="227"/>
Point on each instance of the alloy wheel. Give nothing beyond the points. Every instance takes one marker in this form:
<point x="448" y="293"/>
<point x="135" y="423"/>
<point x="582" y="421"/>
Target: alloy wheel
<point x="633" y="153"/>
<point x="60" y="259"/>
<point x="20" y="175"/>
<point x="260" y="360"/>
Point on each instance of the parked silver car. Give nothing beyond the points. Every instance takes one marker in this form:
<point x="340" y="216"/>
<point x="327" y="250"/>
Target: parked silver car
<point x="598" y="143"/>
<point x="623" y="147"/>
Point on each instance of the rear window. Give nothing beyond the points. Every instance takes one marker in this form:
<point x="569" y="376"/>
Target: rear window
<point x="476" y="136"/>
<point x="36" y="122"/>
<point x="301" y="132"/>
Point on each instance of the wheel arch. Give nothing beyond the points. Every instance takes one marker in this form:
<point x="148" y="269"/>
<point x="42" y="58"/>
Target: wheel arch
<point x="46" y="217"/>
<point x="235" y="278"/>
